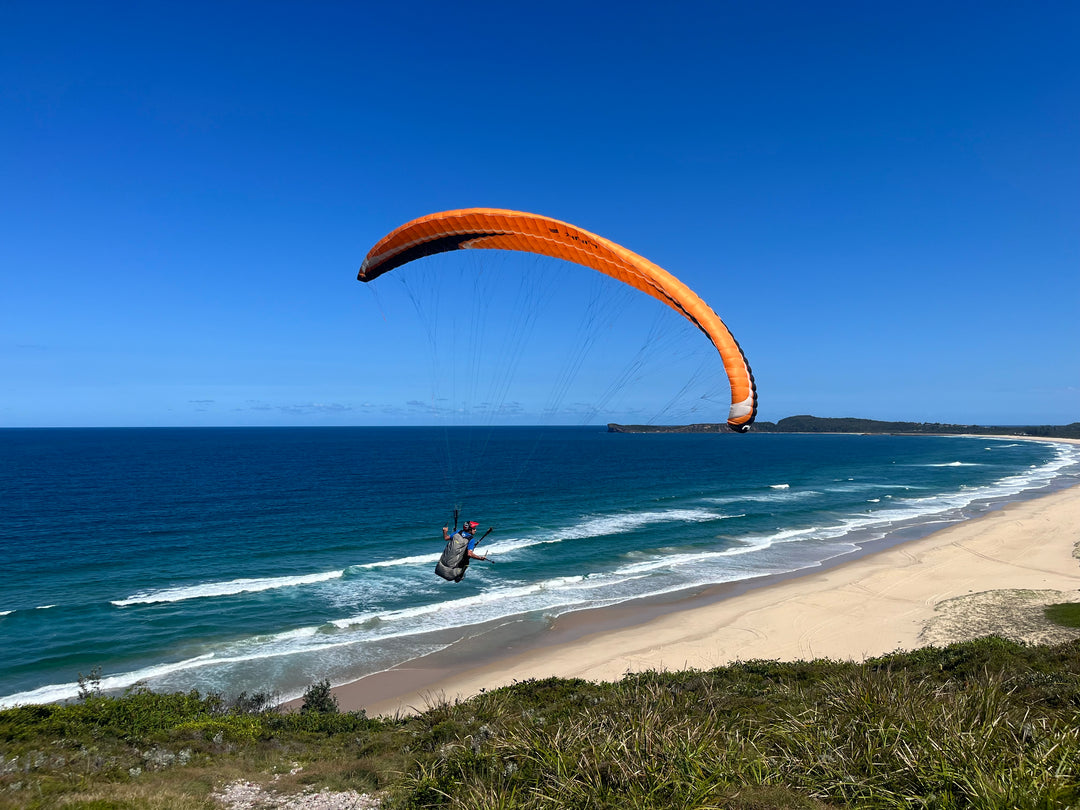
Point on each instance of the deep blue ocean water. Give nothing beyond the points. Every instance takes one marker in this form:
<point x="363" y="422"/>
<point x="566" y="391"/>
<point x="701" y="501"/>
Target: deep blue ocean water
<point x="269" y="558"/>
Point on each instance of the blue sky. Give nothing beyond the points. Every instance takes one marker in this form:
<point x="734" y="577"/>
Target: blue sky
<point x="881" y="200"/>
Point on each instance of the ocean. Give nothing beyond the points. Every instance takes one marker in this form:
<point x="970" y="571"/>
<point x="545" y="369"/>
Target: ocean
<point x="266" y="559"/>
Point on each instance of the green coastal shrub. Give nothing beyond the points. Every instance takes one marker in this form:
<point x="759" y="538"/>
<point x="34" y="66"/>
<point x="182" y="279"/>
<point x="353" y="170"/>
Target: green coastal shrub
<point x="1067" y="614"/>
<point x="983" y="724"/>
<point x="319" y="698"/>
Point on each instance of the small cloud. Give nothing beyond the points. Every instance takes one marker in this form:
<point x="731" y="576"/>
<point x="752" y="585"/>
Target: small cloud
<point x="316" y="407"/>
<point x="415" y="405"/>
<point x="296" y="409"/>
<point x="576" y="408"/>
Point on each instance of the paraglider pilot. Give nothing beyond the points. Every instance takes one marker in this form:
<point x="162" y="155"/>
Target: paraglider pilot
<point x="460" y="548"/>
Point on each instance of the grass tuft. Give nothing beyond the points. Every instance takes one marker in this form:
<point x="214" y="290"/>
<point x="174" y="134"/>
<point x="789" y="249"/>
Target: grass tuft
<point x="1066" y="614"/>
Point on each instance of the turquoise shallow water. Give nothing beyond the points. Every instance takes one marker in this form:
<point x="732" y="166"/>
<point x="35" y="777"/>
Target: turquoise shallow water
<point x="268" y="558"/>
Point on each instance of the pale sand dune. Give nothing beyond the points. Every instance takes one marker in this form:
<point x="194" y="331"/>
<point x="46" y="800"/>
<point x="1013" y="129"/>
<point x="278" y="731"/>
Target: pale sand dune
<point x="988" y="575"/>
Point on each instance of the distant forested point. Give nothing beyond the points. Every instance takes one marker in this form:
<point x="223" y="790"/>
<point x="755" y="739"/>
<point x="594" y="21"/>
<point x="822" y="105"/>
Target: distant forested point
<point x="821" y="424"/>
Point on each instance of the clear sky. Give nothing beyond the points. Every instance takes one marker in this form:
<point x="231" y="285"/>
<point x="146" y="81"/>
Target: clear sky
<point x="882" y="200"/>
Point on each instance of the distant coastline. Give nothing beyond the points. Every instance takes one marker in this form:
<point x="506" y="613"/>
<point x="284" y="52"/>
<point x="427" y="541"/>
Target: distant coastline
<point x="819" y="424"/>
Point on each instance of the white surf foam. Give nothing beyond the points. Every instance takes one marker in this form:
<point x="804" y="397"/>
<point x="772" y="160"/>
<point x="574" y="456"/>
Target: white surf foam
<point x="605" y="525"/>
<point x="866" y="486"/>
<point x="462" y="606"/>
<point x="229" y="588"/>
<point x="417" y="559"/>
<point x="591" y="526"/>
<point x="774" y="496"/>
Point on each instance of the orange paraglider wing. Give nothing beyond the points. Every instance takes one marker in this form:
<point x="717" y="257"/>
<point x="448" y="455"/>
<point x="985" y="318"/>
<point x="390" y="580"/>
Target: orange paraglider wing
<point x="494" y="228"/>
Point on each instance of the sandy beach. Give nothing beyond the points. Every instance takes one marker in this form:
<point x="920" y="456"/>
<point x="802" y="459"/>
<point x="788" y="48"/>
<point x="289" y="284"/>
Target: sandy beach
<point x="988" y="575"/>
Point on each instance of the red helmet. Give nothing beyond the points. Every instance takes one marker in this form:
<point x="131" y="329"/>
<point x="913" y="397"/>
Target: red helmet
<point x="471" y="524"/>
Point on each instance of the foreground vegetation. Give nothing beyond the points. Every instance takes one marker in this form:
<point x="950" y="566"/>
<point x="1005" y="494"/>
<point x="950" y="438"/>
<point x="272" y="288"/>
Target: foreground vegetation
<point x="983" y="724"/>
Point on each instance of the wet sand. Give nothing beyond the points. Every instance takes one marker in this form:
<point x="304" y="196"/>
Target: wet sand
<point x="988" y="575"/>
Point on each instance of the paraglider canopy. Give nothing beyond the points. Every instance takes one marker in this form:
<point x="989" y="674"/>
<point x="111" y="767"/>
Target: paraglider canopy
<point x="494" y="228"/>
